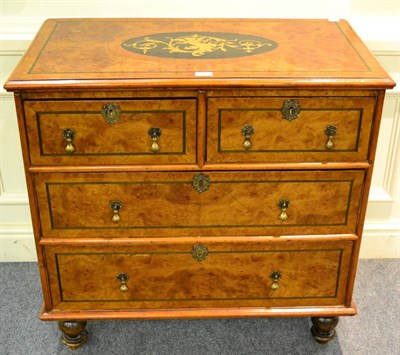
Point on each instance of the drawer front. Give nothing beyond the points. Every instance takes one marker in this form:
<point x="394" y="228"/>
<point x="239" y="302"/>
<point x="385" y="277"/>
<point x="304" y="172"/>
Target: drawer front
<point x="333" y="129"/>
<point x="199" y="273"/>
<point x="167" y="204"/>
<point x="82" y="132"/>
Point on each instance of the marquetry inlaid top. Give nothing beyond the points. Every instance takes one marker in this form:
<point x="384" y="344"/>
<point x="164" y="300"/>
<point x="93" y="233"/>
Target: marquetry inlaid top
<point x="196" y="52"/>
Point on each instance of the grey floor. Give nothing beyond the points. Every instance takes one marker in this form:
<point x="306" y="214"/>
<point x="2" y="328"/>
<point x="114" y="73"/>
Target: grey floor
<point x="375" y="330"/>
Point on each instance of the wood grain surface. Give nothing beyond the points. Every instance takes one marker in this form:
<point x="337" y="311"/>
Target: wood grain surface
<point x="166" y="204"/>
<point x="166" y="275"/>
<point x="98" y="142"/>
<point x="79" y="53"/>
<point x="276" y="139"/>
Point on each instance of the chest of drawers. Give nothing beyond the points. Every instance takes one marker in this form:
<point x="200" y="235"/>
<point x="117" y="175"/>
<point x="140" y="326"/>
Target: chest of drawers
<point x="197" y="168"/>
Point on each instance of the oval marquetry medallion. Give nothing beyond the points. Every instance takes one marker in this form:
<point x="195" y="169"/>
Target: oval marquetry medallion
<point x="200" y="45"/>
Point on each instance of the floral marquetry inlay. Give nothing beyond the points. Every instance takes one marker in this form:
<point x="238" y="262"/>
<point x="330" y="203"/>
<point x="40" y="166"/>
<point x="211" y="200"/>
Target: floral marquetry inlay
<point x="202" y="45"/>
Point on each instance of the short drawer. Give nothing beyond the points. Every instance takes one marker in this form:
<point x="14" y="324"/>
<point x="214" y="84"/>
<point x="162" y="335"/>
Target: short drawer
<point x="319" y="129"/>
<point x="97" y="132"/>
<point x="157" y="204"/>
<point x="199" y="273"/>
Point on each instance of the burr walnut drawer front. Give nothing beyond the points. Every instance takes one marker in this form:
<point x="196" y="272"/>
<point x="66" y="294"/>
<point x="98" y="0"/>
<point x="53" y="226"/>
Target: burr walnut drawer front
<point x="199" y="273"/>
<point x="96" y="132"/>
<point x="281" y="129"/>
<point x="158" y="204"/>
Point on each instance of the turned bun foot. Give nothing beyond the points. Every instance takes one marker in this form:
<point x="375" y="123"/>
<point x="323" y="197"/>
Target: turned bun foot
<point x="74" y="333"/>
<point x="323" y="329"/>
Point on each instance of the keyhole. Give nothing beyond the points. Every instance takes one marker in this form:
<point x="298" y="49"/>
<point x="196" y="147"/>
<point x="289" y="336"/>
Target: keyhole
<point x="111" y="112"/>
<point x="290" y="110"/>
<point x="201" y="184"/>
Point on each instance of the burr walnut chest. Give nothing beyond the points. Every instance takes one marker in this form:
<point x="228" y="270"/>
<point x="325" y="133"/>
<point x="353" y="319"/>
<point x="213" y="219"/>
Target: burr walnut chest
<point x="193" y="168"/>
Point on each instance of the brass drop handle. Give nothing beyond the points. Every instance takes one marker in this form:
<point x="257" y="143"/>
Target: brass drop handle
<point x="154" y="134"/>
<point x="247" y="131"/>
<point x="116" y="206"/>
<point x="69" y="135"/>
<point x="330" y="131"/>
<point x="275" y="276"/>
<point x="283" y="205"/>
<point x="122" y="278"/>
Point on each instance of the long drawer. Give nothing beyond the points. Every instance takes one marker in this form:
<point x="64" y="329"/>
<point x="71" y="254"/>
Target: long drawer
<point x="281" y="129"/>
<point x="158" y="204"/>
<point x="96" y="132"/>
<point x="198" y="273"/>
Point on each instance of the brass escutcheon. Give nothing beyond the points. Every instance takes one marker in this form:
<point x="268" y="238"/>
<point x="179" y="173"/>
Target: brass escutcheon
<point x="201" y="182"/>
<point x="154" y="134"/>
<point x="290" y="109"/>
<point x="111" y="113"/>
<point x="69" y="135"/>
<point x="275" y="276"/>
<point x="247" y="131"/>
<point x="283" y="205"/>
<point x="330" y="131"/>
<point x="199" y="252"/>
<point x="123" y="278"/>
